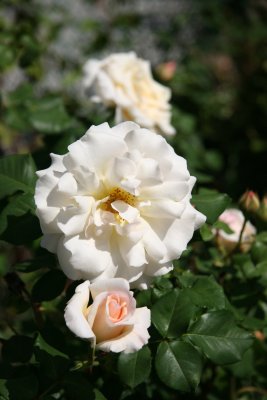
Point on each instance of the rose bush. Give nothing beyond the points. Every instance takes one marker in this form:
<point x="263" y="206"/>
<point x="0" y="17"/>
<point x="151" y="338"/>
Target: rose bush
<point x="112" y="322"/>
<point x="117" y="204"/>
<point x="235" y="220"/>
<point x="125" y="81"/>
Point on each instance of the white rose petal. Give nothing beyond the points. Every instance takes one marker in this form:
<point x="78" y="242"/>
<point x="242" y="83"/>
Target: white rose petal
<point x="125" y="81"/>
<point x="112" y="322"/>
<point x="116" y="206"/>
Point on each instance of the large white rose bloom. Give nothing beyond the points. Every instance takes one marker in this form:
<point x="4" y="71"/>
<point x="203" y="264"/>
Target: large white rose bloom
<point x="112" y="322"/>
<point x="117" y="205"/>
<point x="125" y="81"/>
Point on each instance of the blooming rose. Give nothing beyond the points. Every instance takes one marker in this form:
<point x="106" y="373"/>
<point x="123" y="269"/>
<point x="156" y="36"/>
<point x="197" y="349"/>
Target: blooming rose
<point x="235" y="219"/>
<point x="112" y="321"/>
<point x="125" y="81"/>
<point x="117" y="204"/>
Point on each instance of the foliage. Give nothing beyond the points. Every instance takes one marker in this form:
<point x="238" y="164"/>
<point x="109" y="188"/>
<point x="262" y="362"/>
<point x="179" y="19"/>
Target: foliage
<point x="209" y="315"/>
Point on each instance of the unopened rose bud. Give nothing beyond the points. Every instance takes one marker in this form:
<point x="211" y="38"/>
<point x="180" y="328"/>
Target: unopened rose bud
<point x="259" y="335"/>
<point x="250" y="201"/>
<point x="263" y="208"/>
<point x="166" y="70"/>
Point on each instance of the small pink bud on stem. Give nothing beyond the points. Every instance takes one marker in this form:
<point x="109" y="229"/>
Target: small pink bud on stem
<point x="166" y="70"/>
<point x="250" y="201"/>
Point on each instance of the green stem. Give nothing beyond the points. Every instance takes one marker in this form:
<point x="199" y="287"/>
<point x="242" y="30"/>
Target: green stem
<point x="46" y="391"/>
<point x="91" y="357"/>
<point x="237" y="246"/>
<point x="37" y="314"/>
<point x="240" y="235"/>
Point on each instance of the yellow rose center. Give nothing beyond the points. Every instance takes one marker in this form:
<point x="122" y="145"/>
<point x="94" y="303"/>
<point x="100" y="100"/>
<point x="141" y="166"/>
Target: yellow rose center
<point x="118" y="194"/>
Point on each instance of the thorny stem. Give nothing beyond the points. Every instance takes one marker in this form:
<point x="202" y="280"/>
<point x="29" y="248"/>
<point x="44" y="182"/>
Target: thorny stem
<point x="91" y="357"/>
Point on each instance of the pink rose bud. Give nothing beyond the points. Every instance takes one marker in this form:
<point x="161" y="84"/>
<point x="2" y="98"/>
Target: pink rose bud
<point x="235" y="220"/>
<point x="166" y="70"/>
<point x="259" y="335"/>
<point x="250" y="201"/>
<point x="112" y="322"/>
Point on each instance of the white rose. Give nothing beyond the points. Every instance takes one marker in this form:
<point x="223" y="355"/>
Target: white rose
<point x="235" y="220"/>
<point x="125" y="81"/>
<point x="117" y="204"/>
<point x="112" y="322"/>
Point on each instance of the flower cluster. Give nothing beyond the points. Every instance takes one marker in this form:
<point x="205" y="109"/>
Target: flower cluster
<point x="116" y="207"/>
<point x="125" y="82"/>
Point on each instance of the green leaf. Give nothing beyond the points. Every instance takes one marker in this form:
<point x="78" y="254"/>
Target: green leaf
<point x="20" y="96"/>
<point x="178" y="365"/>
<point x="17" y="172"/>
<point x="18" y="349"/>
<point x="6" y="56"/>
<point x="23" y="387"/>
<point x="49" y="286"/>
<point x="213" y="160"/>
<point x="171" y="314"/>
<point x="46" y="261"/>
<point x="206" y="292"/>
<point x="41" y="344"/>
<point x="49" y="116"/>
<point x="162" y="283"/>
<point x="211" y="204"/>
<point x="259" y="271"/>
<point x="144" y="298"/>
<point x="244" y="368"/>
<point x="218" y="336"/>
<point x="18" y="205"/>
<point x="259" y="252"/>
<point x="187" y="279"/>
<point x="4" y="395"/>
<point x="4" y="264"/>
<point x="77" y="386"/>
<point x="262" y="237"/>
<point x="22" y="230"/>
<point x="134" y="368"/>
<point x="99" y="395"/>
<point x="206" y="233"/>
<point x="17" y="119"/>
<point x="223" y="226"/>
<point x="53" y="363"/>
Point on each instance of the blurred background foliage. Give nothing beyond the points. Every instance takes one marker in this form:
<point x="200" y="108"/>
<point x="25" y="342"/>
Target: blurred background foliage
<point x="219" y="101"/>
<point x="219" y="85"/>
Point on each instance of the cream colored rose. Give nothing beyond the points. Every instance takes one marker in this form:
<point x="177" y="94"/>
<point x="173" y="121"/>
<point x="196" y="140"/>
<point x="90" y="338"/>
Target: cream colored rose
<point x="235" y="219"/>
<point x="125" y="81"/>
<point x="117" y="205"/>
<point x="112" y="322"/>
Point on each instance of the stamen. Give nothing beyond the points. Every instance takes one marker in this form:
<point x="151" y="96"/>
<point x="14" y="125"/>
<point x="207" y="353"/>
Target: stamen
<point x="118" y="194"/>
